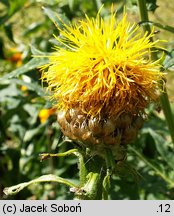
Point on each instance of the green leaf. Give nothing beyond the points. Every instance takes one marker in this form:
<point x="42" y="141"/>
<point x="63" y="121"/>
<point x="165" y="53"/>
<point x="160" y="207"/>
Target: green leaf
<point x="52" y="15"/>
<point x="8" y="91"/>
<point x="169" y="60"/>
<point x="32" y="28"/>
<point x="37" y="52"/>
<point x="106" y="186"/>
<point x="31" y="133"/>
<point x="32" y="64"/>
<point x="92" y="185"/>
<point x="31" y="86"/>
<point x="163" y="148"/>
<point x="152" y="166"/>
<point x="13" y="7"/>
<point x="45" y="178"/>
<point x="168" y="63"/>
<point x="57" y="19"/>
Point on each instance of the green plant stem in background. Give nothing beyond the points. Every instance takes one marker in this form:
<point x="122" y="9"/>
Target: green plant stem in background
<point x="144" y="15"/>
<point x="164" y="96"/>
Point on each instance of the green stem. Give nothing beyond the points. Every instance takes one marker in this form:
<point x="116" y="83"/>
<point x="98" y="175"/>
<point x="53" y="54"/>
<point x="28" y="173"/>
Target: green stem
<point x="82" y="170"/>
<point x="144" y="15"/>
<point x="44" y="156"/>
<point x="95" y="172"/>
<point x="164" y="96"/>
<point x="110" y="161"/>
<point x="94" y="178"/>
<point x="167" y="112"/>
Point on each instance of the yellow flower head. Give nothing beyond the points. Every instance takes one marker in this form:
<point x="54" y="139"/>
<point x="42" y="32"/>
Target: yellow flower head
<point x="103" y="68"/>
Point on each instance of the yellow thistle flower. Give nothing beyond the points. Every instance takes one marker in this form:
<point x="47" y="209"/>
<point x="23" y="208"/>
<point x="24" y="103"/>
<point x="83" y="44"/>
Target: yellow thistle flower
<point x="102" y="79"/>
<point x="104" y="68"/>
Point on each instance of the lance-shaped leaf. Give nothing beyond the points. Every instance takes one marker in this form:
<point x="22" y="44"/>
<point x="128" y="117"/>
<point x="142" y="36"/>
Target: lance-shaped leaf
<point x="32" y="64"/>
<point x="45" y="178"/>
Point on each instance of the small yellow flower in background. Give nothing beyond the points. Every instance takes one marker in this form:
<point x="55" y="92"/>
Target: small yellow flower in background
<point x="103" y="79"/>
<point x="15" y="56"/>
<point x="23" y="88"/>
<point x="44" y="114"/>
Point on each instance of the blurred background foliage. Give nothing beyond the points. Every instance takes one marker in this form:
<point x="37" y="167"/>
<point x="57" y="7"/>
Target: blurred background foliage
<point x="28" y="124"/>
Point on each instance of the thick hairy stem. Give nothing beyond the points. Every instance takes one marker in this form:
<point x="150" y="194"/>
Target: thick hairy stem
<point x="95" y="175"/>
